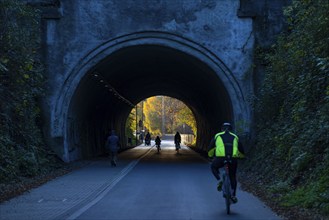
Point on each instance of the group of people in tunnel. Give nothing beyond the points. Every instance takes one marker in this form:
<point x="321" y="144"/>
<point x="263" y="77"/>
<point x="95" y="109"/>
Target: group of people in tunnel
<point x="112" y="144"/>
<point x="223" y="145"/>
<point x="177" y="141"/>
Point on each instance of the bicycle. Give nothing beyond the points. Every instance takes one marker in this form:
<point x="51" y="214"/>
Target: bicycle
<point x="158" y="147"/>
<point x="147" y="142"/>
<point x="226" y="188"/>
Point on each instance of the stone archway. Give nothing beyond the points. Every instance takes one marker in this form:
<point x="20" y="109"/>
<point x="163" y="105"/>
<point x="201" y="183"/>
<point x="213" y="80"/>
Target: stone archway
<point x="205" y="67"/>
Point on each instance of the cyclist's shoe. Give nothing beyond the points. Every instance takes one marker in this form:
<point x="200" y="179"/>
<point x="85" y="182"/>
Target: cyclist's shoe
<point x="219" y="186"/>
<point x="234" y="199"/>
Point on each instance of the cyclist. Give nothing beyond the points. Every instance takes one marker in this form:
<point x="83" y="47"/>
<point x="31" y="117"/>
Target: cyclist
<point x="158" y="143"/>
<point x="177" y="141"/>
<point x="223" y="144"/>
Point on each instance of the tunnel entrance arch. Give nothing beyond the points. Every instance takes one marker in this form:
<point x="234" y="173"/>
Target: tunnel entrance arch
<point x="226" y="100"/>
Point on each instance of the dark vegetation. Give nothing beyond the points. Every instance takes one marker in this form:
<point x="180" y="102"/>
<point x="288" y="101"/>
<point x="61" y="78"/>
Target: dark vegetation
<point x="290" y="156"/>
<point x="23" y="153"/>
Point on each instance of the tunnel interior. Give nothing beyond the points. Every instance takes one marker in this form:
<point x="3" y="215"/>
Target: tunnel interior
<point x="137" y="73"/>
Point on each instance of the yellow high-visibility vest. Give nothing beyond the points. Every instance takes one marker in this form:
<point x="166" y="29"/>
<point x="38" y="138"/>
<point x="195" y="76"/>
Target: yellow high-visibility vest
<point x="220" y="147"/>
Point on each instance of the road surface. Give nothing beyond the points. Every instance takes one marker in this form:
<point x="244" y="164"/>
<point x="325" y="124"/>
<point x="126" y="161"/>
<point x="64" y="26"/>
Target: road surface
<point x="145" y="185"/>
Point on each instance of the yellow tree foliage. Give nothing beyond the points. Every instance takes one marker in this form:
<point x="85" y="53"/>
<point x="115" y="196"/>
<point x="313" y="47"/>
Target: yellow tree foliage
<point x="176" y="114"/>
<point x="186" y="116"/>
<point x="152" y="110"/>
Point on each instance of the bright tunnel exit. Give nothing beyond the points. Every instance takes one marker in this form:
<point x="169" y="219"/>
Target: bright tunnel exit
<point x="161" y="116"/>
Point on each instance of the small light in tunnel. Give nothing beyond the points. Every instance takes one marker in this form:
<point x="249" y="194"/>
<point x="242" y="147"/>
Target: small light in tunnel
<point x="111" y="89"/>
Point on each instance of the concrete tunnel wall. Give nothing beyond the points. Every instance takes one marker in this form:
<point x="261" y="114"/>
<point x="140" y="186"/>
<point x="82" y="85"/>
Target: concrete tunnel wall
<point x="197" y="51"/>
<point x="138" y="68"/>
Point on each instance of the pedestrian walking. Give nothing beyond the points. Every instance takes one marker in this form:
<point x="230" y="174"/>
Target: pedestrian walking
<point x="112" y="145"/>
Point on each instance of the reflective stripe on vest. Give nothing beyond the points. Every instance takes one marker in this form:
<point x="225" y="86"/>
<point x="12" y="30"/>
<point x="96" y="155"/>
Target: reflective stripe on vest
<point x="220" y="148"/>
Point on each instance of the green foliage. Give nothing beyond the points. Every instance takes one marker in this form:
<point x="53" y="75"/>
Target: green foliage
<point x="314" y="194"/>
<point x="292" y="108"/>
<point x="22" y="150"/>
<point x="280" y="187"/>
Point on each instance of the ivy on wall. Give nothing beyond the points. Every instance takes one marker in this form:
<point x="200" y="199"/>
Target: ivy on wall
<point x="291" y="150"/>
<point x="22" y="150"/>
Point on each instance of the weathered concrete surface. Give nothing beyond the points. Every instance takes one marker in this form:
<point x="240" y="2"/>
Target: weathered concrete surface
<point x="200" y="52"/>
<point x="268" y="22"/>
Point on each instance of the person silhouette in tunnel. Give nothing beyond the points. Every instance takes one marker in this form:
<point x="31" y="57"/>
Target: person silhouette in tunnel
<point x="225" y="145"/>
<point x="112" y="145"/>
<point x="158" y="143"/>
<point x="148" y="139"/>
<point x="177" y="141"/>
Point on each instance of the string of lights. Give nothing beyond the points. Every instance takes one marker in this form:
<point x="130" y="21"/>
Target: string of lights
<point x="110" y="88"/>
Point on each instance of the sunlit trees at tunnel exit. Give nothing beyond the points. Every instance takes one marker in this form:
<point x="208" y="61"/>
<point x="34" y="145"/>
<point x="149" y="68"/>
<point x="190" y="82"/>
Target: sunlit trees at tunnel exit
<point x="161" y="115"/>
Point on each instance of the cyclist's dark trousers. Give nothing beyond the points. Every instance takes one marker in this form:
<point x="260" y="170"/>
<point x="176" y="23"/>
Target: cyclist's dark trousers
<point x="219" y="163"/>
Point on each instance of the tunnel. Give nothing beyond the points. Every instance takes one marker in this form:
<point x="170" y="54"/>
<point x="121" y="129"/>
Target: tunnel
<point x="107" y="93"/>
<point x="98" y="91"/>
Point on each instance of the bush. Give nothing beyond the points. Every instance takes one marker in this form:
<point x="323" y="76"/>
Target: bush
<point x="21" y="85"/>
<point x="292" y="109"/>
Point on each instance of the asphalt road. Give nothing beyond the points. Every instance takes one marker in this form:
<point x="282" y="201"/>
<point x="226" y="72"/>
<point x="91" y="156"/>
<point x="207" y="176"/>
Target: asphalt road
<point x="167" y="185"/>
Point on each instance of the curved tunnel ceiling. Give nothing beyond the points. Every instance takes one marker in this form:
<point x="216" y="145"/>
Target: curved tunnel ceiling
<point x="139" y="72"/>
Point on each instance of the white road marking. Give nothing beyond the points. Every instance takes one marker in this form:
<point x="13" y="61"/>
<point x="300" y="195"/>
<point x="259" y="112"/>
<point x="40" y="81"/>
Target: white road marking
<point x="116" y="180"/>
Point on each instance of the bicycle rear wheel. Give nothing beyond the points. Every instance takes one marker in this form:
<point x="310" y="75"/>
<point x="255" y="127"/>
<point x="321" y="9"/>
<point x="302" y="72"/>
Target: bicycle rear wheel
<point x="228" y="204"/>
<point x="227" y="192"/>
